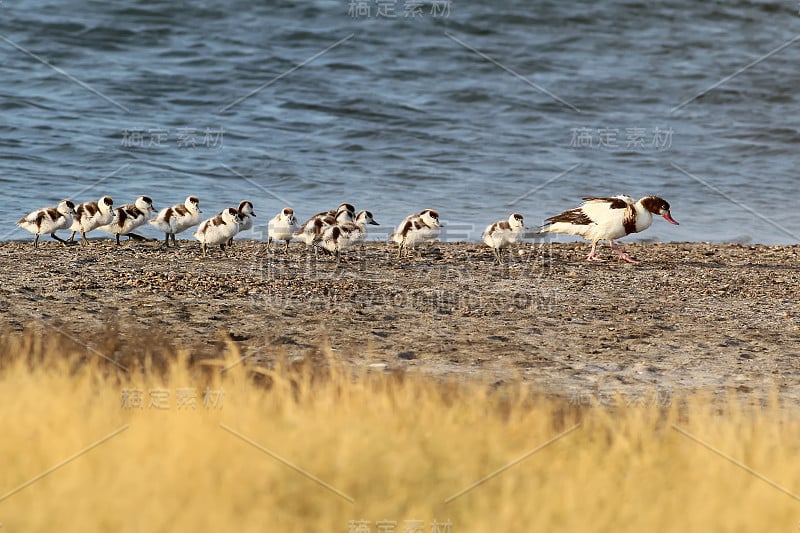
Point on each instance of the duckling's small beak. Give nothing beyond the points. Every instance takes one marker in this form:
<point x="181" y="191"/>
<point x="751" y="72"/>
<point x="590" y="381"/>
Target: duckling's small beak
<point x="374" y="223"/>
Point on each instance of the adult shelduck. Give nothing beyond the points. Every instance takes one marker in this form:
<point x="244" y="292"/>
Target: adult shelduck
<point x="600" y="219"/>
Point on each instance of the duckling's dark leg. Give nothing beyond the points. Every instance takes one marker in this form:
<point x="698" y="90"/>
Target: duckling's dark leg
<point x="59" y="239"/>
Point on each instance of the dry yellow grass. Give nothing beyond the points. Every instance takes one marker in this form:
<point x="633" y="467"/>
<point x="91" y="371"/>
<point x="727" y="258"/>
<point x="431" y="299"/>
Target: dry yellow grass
<point x="320" y="448"/>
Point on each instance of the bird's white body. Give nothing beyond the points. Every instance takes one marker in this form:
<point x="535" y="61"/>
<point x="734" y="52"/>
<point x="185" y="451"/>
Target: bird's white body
<point x="418" y="228"/>
<point x="283" y="226"/>
<point x="604" y="219"/>
<point x="178" y="218"/>
<point x="343" y="236"/>
<point x="129" y="217"/>
<point x="609" y="219"/>
<point x="219" y="229"/>
<point x="247" y="214"/>
<point x="339" y="212"/>
<point x="92" y="215"/>
<point x="503" y="233"/>
<point x="48" y="220"/>
<point x="312" y="229"/>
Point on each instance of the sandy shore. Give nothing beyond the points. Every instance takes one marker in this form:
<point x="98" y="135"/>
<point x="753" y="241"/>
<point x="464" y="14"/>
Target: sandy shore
<point x="722" y="317"/>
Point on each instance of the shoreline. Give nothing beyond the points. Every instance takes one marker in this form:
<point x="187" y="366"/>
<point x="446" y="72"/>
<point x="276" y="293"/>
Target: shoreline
<point x="689" y="316"/>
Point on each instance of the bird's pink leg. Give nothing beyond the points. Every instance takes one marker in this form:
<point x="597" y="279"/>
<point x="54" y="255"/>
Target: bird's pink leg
<point x="623" y="255"/>
<point x="593" y="254"/>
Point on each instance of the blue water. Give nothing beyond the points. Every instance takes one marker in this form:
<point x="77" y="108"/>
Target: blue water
<point x="312" y="103"/>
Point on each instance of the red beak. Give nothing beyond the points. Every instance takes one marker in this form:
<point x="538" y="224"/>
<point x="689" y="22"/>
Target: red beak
<point x="669" y="219"/>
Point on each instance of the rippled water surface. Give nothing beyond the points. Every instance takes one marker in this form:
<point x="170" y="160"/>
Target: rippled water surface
<point x="475" y="109"/>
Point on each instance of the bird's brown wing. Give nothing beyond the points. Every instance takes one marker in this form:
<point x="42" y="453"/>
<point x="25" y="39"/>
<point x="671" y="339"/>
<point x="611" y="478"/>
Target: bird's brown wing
<point x="573" y="216"/>
<point x="613" y="203"/>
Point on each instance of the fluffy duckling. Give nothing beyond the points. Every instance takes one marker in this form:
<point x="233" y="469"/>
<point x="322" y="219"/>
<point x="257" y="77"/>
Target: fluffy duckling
<point x="282" y="227"/>
<point x="218" y="230"/>
<point x="341" y="237"/>
<point x="247" y="214"/>
<point x="91" y="215"/>
<point x="128" y="217"/>
<point x="504" y="232"/>
<point x="49" y="220"/>
<point x="415" y="229"/>
<point x="178" y="218"/>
